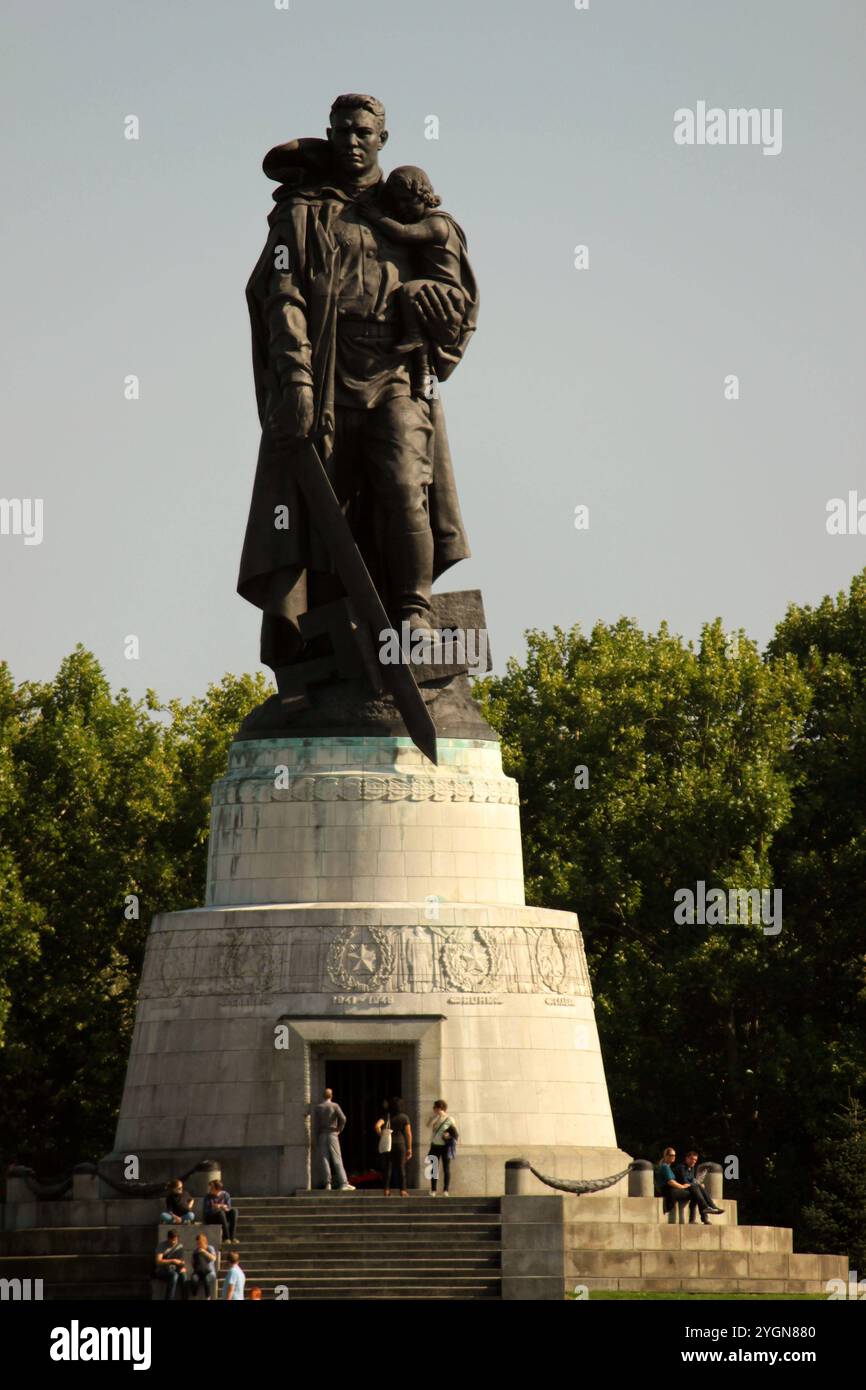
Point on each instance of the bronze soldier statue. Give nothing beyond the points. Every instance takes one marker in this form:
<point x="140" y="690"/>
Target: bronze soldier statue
<point x="332" y="364"/>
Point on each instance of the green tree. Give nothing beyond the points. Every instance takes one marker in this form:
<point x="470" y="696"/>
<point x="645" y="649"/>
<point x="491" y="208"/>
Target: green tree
<point x="835" y="1219"/>
<point x="105" y="824"/>
<point x="21" y="921"/>
<point x="821" y="856"/>
<point x="687" y="751"/>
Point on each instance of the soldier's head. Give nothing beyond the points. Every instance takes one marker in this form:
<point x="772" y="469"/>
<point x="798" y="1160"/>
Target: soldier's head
<point x="356" y="133"/>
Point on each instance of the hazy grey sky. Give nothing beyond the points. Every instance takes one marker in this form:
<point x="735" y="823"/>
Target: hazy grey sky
<point x="602" y="386"/>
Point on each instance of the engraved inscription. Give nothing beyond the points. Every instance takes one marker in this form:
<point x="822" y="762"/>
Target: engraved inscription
<point x="379" y="1000"/>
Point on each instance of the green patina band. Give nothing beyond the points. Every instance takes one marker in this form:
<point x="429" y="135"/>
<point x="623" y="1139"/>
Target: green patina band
<point x="338" y="741"/>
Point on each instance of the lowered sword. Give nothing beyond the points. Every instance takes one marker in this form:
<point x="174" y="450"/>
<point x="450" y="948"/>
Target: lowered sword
<point x="398" y="679"/>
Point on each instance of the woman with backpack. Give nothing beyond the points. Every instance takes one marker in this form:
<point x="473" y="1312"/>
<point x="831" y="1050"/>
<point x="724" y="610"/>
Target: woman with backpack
<point x="443" y="1145"/>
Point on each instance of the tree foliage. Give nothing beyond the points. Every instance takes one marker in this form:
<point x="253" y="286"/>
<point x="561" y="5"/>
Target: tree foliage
<point x="707" y="762"/>
<point x="835" y="1219"/>
<point x="103" y="823"/>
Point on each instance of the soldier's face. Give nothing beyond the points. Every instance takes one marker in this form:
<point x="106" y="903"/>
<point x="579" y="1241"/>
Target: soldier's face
<point x="356" y="140"/>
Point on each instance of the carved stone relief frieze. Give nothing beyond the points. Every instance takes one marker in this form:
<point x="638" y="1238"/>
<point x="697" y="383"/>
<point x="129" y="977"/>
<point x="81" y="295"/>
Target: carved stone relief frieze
<point x="421" y="959"/>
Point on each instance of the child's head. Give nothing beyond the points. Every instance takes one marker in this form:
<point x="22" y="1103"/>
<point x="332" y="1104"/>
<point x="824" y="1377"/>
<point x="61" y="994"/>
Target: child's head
<point x="411" y="193"/>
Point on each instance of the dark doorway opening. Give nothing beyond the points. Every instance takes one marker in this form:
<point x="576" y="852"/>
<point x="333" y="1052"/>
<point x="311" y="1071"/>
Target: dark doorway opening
<point x="360" y="1087"/>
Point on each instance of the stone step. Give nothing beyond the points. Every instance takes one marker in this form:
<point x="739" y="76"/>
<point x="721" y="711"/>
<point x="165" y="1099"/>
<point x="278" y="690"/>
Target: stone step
<point x="719" y="1266"/>
<point x="331" y="1200"/>
<point x="366" y="1257"/>
<point x="599" y="1206"/>
<point x="367" y="1218"/>
<point x="366" y="1229"/>
<point x="361" y="1194"/>
<point x="392" y="1286"/>
<point x="73" y="1268"/>
<point x="635" y="1235"/>
<point x="129" y="1291"/>
<point x="348" y="1240"/>
<point x="257" y="1255"/>
<point x="82" y="1240"/>
<point x="441" y="1293"/>
<point x="420" y="1265"/>
<point x="375" y="1194"/>
<point x="373" y="1222"/>
<point x="340" y="1202"/>
<point x="705" y="1286"/>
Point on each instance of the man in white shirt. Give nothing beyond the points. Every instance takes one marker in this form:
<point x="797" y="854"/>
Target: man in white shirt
<point x="233" y="1284"/>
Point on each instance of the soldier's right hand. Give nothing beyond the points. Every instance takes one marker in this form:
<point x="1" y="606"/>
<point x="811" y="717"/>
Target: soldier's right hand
<point x="293" y="415"/>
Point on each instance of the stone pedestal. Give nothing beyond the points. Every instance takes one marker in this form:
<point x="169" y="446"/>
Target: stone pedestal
<point x="364" y="904"/>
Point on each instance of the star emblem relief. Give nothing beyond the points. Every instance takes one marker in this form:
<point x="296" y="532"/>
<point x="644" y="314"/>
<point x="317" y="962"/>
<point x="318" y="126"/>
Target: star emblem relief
<point x="361" y="960"/>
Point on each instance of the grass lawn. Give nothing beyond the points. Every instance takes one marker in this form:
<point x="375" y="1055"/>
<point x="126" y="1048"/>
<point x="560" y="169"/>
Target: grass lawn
<point x="714" y="1297"/>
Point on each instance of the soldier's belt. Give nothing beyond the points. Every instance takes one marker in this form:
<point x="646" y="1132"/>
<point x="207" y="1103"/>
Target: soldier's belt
<point x="366" y="328"/>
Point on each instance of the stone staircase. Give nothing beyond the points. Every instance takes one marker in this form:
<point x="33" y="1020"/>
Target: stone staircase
<point x="551" y="1245"/>
<point x="367" y="1246"/>
<point x="81" y="1262"/>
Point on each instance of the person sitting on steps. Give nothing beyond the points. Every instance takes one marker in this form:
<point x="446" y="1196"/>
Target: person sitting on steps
<point x="674" y="1192"/>
<point x="686" y="1172"/>
<point x="204" y="1268"/>
<point x="179" y="1207"/>
<point x="218" y="1210"/>
<point x="171" y="1267"/>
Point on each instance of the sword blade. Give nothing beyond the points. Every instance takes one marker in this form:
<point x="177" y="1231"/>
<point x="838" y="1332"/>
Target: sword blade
<point x="349" y="563"/>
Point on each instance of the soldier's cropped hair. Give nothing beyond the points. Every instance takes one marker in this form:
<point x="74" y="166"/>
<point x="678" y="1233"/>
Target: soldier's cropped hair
<point x="356" y="101"/>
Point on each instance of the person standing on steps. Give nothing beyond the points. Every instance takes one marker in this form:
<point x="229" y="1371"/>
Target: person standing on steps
<point x="328" y="1124"/>
<point x="233" y="1284"/>
<point x="443" y="1140"/>
<point x="395" y="1144"/>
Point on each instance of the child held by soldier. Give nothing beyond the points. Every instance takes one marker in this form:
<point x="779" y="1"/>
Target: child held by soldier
<point x="409" y="194"/>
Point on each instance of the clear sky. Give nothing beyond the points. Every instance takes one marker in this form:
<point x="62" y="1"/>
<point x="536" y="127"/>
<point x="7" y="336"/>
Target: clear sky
<point x="602" y="387"/>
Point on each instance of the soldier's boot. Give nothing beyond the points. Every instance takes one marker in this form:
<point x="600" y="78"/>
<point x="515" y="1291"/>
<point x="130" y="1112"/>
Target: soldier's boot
<point x="411" y="566"/>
